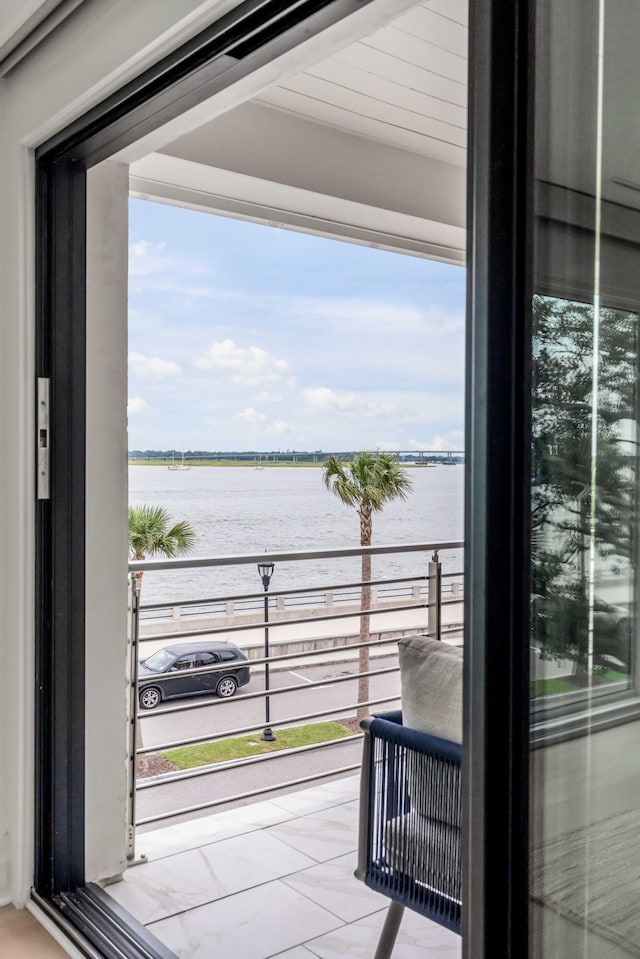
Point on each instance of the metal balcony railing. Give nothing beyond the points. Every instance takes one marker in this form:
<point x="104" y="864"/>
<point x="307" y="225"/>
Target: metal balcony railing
<point x="255" y="621"/>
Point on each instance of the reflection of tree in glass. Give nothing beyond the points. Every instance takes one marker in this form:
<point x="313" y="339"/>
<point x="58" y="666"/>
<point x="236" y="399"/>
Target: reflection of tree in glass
<point x="562" y="521"/>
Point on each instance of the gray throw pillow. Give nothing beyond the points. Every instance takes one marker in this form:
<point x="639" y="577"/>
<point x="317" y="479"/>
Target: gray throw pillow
<point x="431" y="682"/>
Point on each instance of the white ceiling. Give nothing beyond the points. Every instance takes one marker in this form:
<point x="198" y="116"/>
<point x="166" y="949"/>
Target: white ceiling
<point x="405" y="86"/>
<point x="366" y="138"/>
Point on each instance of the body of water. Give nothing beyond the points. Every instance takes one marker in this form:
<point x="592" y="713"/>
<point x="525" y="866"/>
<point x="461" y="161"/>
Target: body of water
<point x="244" y="510"/>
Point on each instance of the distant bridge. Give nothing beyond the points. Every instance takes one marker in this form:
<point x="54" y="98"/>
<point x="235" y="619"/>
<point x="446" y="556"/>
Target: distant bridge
<point x="417" y="457"/>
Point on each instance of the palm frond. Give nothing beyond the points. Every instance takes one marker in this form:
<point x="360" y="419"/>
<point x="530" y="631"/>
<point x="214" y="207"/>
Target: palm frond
<point x="338" y="478"/>
<point x="150" y="533"/>
<point x="371" y="478"/>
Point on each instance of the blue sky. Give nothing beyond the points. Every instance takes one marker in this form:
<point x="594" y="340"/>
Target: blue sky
<point x="244" y="336"/>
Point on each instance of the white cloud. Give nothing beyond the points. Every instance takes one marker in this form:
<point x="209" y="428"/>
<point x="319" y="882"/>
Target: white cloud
<point x="382" y="316"/>
<point x="267" y="396"/>
<point x="385" y="447"/>
<point x="453" y="440"/>
<point x="154" y="268"/>
<point x="260" y="423"/>
<point x="146" y="258"/>
<point x="137" y="405"/>
<point x="152" y="366"/>
<point x="450" y="441"/>
<point x="279" y="426"/>
<point x="333" y="401"/>
<point x="444" y="322"/>
<point x="251" y="417"/>
<point x="246" y="366"/>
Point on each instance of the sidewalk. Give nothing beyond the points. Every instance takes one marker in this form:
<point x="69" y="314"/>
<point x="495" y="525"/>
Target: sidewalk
<point x="332" y="634"/>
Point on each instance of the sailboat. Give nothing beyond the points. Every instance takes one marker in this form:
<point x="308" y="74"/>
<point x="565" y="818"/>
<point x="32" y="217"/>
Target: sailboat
<point x="177" y="466"/>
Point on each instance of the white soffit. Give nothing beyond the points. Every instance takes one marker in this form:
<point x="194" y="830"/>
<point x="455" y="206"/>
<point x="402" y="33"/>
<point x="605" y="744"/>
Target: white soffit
<point x="368" y="144"/>
<point x="197" y="186"/>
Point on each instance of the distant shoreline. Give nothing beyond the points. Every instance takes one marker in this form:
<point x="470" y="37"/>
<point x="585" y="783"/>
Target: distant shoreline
<point x="250" y="464"/>
<point x="253" y="464"/>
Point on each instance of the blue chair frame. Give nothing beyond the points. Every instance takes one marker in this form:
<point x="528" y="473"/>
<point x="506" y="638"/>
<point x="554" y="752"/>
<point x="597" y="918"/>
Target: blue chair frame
<point x="405" y="852"/>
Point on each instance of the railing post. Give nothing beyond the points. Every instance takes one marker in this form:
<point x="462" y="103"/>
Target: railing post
<point x="434" y="617"/>
<point x="134" y="634"/>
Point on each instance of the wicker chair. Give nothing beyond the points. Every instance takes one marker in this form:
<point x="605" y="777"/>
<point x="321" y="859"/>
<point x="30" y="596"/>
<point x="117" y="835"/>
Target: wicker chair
<point x="409" y="838"/>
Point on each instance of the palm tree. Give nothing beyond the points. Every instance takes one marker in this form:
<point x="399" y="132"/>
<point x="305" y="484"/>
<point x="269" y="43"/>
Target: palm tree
<point x="151" y="535"/>
<point x="367" y="484"/>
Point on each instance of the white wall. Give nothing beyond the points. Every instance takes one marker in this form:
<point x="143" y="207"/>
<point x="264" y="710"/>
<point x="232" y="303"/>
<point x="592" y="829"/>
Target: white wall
<point x="16" y="518"/>
<point x="5" y="561"/>
<point x="18" y="17"/>
<point x="107" y="541"/>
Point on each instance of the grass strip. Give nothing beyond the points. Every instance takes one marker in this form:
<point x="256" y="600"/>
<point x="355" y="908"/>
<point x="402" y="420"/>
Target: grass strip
<point x="222" y="751"/>
<point x="549" y="687"/>
<point x="553" y="686"/>
<point x="613" y="676"/>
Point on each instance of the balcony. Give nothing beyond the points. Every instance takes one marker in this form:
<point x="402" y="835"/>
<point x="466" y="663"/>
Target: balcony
<point x="270" y="879"/>
<point x="257" y="854"/>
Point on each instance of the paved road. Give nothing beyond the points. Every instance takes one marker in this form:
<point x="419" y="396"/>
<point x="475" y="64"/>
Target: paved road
<point x="213" y="715"/>
<point x="216" y="716"/>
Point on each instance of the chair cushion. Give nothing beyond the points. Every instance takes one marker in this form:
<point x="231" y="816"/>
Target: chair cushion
<point x="431" y="683"/>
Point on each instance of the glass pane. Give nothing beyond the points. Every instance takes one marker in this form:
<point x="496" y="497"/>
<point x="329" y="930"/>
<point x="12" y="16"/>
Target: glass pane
<point x="584" y="496"/>
<point x="585" y="711"/>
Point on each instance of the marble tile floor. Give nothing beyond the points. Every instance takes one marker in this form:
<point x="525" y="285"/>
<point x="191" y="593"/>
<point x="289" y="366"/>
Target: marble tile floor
<point x="273" y="880"/>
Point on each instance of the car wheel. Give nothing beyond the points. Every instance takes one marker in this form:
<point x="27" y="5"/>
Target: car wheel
<point x="149" y="698"/>
<point x="226" y="687"/>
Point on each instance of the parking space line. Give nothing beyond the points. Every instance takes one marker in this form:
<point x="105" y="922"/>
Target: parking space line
<point x="291" y="672"/>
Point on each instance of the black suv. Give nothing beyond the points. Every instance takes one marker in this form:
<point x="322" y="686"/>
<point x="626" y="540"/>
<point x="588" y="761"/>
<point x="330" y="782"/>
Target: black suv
<point x="189" y="656"/>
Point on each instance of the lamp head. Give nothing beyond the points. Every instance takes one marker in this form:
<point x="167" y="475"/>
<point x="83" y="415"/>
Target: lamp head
<point x="265" y="571"/>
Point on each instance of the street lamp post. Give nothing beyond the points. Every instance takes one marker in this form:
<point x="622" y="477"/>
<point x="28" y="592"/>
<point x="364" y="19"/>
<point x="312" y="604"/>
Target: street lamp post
<point x="265" y="571"/>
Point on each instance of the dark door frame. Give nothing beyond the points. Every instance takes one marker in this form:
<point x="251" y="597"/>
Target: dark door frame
<point x="497" y="520"/>
<point x="497" y="558"/>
